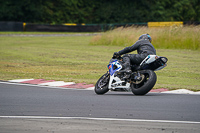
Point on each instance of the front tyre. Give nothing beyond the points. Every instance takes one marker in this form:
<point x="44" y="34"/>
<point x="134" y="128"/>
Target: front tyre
<point x="101" y="86"/>
<point x="146" y="85"/>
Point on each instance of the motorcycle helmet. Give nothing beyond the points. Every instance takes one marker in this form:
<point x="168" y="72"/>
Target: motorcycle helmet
<point x="145" y="37"/>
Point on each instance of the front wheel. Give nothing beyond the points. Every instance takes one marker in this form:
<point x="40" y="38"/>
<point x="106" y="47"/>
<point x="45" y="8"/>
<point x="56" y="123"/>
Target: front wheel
<point x="101" y="86"/>
<point x="146" y="85"/>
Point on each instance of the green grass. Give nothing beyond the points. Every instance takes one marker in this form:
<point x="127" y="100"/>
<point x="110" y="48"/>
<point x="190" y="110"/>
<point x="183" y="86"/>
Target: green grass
<point x="72" y="58"/>
<point x="182" y="71"/>
<point x="58" y="58"/>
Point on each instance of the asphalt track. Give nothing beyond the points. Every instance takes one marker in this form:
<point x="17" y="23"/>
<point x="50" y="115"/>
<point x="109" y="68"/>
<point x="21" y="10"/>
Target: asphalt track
<point x="25" y="108"/>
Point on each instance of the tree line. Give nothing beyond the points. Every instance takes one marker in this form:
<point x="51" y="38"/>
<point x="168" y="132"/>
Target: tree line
<point x="99" y="11"/>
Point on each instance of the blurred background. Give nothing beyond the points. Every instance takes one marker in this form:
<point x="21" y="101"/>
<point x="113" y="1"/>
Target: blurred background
<point x="95" y="12"/>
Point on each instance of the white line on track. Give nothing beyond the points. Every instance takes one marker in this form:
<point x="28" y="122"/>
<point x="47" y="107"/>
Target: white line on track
<point x="101" y="119"/>
<point x="20" y="80"/>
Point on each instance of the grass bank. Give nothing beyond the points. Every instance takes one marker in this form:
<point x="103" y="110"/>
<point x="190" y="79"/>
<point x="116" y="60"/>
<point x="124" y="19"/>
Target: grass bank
<point x="187" y="37"/>
<point x="71" y="58"/>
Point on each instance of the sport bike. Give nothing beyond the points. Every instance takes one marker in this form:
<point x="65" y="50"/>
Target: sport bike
<point x="140" y="81"/>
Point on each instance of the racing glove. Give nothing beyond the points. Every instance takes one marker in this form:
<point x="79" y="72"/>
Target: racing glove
<point x="116" y="55"/>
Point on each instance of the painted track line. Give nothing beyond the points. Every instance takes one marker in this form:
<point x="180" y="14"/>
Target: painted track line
<point x="101" y="119"/>
<point x="57" y="83"/>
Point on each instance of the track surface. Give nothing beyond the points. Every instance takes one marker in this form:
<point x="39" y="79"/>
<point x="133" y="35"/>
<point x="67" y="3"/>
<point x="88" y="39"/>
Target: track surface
<point x="20" y="100"/>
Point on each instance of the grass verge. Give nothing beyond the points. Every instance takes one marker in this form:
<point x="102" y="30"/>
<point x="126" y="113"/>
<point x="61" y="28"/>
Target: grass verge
<point x="73" y="59"/>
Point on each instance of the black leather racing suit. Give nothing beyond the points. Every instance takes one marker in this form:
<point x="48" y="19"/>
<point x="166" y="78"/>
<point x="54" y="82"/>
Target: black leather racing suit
<point x="143" y="47"/>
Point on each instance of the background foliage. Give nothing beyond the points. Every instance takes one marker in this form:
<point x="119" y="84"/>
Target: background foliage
<point x="99" y="11"/>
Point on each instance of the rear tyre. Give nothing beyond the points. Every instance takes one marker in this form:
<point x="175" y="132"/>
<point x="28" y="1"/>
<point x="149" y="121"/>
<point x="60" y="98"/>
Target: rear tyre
<point x="101" y="86"/>
<point x="146" y="85"/>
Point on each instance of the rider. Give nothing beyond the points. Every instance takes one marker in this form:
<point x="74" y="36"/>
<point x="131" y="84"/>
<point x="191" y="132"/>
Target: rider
<point x="143" y="47"/>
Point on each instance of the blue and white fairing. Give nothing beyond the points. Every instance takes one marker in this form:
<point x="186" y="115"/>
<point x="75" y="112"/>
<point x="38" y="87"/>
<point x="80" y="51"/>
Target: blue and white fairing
<point x="114" y="66"/>
<point x="115" y="82"/>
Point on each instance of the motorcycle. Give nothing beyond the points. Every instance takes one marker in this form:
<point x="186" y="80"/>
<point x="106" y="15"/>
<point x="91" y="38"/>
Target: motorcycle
<point x="141" y="80"/>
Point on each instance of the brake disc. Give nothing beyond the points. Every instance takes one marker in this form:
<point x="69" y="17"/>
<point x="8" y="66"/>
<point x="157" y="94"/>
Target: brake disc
<point x="140" y="81"/>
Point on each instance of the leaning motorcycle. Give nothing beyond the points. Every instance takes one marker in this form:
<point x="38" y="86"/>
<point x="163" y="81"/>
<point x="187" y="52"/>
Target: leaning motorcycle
<point x="141" y="80"/>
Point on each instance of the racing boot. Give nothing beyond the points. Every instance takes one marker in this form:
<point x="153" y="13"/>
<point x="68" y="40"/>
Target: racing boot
<point x="126" y="68"/>
<point x="127" y="71"/>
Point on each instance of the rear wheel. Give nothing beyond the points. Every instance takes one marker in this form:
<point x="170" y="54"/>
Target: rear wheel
<point x="147" y="83"/>
<point x="101" y="86"/>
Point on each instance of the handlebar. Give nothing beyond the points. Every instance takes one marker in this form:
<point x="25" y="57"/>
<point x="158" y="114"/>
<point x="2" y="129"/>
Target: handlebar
<point x="119" y="57"/>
